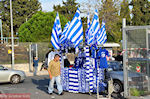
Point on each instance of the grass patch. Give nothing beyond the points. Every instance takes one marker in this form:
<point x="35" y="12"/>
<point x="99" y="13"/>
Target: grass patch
<point x="136" y="92"/>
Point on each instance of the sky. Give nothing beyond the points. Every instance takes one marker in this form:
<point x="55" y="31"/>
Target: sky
<point x="47" y="5"/>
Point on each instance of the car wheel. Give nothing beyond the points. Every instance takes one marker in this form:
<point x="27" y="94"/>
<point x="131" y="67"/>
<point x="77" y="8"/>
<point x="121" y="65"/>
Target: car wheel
<point x="15" y="79"/>
<point x="118" y="87"/>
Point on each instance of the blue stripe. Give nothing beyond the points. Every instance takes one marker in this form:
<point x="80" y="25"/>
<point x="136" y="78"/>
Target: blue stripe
<point x="75" y="33"/>
<point x="76" y="20"/>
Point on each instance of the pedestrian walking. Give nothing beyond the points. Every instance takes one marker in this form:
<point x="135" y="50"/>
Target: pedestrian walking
<point x="54" y="74"/>
<point x="35" y="65"/>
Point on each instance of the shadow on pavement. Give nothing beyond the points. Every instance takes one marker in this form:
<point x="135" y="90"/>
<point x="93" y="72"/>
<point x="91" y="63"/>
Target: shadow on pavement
<point x="42" y="84"/>
<point x="117" y="96"/>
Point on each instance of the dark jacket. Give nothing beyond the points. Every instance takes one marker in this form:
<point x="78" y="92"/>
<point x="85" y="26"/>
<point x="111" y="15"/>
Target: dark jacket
<point x="35" y="62"/>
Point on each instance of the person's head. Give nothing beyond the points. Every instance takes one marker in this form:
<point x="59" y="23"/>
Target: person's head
<point x="56" y="57"/>
<point x="36" y="58"/>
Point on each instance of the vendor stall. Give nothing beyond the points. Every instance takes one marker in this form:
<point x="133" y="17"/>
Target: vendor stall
<point x="87" y="72"/>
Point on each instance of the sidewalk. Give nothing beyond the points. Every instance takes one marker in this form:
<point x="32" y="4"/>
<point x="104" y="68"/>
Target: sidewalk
<point x="39" y="73"/>
<point x="25" y="67"/>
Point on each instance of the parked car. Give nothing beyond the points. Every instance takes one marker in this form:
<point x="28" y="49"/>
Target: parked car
<point x="9" y="75"/>
<point x="135" y="79"/>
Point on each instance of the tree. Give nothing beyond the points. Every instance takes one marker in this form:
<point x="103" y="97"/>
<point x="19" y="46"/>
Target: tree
<point x="39" y="27"/>
<point x="68" y="9"/>
<point x="125" y="11"/>
<point x="22" y="11"/>
<point x="140" y="12"/>
<point x="109" y="11"/>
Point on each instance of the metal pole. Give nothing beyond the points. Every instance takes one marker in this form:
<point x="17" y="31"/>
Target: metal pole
<point x="12" y="36"/>
<point x="36" y="50"/>
<point x="125" y="70"/>
<point x="30" y="58"/>
<point x="1" y="31"/>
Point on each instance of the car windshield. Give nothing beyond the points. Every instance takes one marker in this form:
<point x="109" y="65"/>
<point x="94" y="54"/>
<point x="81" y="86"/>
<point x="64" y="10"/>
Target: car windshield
<point x="1" y="67"/>
<point x="116" y="66"/>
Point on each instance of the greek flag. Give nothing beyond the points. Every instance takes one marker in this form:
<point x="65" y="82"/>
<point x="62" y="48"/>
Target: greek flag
<point x="88" y="25"/>
<point x="56" y="32"/>
<point x="88" y="21"/>
<point x="94" y="29"/>
<point x="64" y="35"/>
<point x="102" y="36"/>
<point x="75" y="30"/>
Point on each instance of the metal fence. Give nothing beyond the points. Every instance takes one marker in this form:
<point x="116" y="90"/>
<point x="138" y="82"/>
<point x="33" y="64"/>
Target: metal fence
<point x="22" y="52"/>
<point x="137" y="57"/>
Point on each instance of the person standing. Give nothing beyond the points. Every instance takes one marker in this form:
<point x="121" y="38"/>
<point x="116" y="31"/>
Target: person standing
<point x="35" y="65"/>
<point x="54" y="74"/>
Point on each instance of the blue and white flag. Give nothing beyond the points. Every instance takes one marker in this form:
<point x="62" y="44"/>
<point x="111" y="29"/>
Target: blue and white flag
<point x="88" y="20"/>
<point x="75" y="30"/>
<point x="102" y="36"/>
<point x="86" y="32"/>
<point x="56" y="32"/>
<point x="94" y="29"/>
<point x="64" y="33"/>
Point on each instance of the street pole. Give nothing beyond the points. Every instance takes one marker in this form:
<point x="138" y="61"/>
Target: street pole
<point x="36" y="50"/>
<point x="125" y="70"/>
<point x="12" y="36"/>
<point x="30" y="57"/>
<point x="1" y="31"/>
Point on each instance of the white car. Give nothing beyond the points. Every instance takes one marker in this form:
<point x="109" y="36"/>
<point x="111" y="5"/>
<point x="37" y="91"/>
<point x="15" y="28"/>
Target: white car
<point x="9" y="75"/>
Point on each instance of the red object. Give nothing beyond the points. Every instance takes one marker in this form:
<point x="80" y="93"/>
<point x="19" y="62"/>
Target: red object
<point x="70" y="66"/>
<point x="138" y="68"/>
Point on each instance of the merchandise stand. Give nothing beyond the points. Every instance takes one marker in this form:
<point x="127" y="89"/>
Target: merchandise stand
<point x="88" y="74"/>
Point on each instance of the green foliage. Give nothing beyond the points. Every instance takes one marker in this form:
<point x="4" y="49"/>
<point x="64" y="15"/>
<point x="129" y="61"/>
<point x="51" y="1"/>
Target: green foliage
<point x="125" y="11"/>
<point x="68" y="9"/>
<point x="134" y="92"/>
<point x="109" y="12"/>
<point x="22" y="10"/>
<point x="141" y="12"/>
<point x="39" y="27"/>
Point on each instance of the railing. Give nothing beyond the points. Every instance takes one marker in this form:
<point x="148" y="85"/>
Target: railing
<point x="7" y="40"/>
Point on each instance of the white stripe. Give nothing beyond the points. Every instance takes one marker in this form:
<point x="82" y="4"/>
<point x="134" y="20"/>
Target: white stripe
<point x="52" y="39"/>
<point x="55" y="36"/>
<point x="74" y="29"/>
<point x="76" y="84"/>
<point x="71" y="24"/>
<point x="78" y="34"/>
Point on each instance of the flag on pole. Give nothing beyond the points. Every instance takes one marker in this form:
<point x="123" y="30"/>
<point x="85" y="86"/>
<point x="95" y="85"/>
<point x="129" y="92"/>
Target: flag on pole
<point x="88" y="20"/>
<point x="75" y="30"/>
<point x="56" y="32"/>
<point x="64" y="36"/>
<point x="94" y="29"/>
<point x="86" y="32"/>
<point x="102" y="36"/>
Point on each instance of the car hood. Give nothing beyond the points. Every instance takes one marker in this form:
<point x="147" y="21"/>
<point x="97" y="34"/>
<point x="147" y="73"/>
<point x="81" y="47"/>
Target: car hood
<point x="130" y="73"/>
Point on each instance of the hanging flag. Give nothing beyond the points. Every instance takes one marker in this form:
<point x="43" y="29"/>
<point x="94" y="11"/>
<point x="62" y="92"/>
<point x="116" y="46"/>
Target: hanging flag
<point x="86" y="32"/>
<point x="75" y="30"/>
<point x="56" y="32"/>
<point x="64" y="36"/>
<point x="102" y="36"/>
<point x="88" y="20"/>
<point x="93" y="29"/>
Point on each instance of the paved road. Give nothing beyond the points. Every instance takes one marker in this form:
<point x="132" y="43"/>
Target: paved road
<point x="37" y="86"/>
